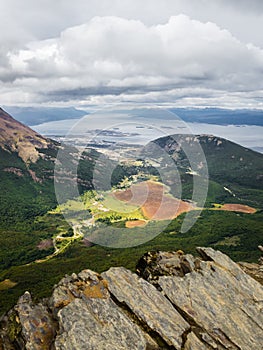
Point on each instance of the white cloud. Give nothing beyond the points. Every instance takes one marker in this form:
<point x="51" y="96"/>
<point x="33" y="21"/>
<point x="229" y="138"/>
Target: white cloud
<point x="21" y="21"/>
<point x="127" y="59"/>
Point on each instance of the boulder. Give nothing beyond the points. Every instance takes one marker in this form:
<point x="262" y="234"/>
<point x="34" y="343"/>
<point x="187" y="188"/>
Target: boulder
<point x="177" y="301"/>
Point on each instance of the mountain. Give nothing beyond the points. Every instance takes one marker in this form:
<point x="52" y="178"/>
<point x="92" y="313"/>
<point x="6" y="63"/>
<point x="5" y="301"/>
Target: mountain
<point x="27" y="190"/>
<point x="220" y="116"/>
<point x="235" y="172"/>
<point x="175" y="301"/>
<point x="16" y="137"/>
<point x="37" y="115"/>
<point x="38" y="246"/>
<point x="27" y="170"/>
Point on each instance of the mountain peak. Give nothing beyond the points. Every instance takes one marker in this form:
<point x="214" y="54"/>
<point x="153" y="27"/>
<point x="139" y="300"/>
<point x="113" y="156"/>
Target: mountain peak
<point x="16" y="137"/>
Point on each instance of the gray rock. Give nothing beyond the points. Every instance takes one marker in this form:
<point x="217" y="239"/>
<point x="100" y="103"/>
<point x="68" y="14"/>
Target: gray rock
<point x="37" y="327"/>
<point x="155" y="264"/>
<point x="149" y="305"/>
<point x="86" y="283"/>
<point x="220" y="299"/>
<point x="193" y="343"/>
<point x="187" y="303"/>
<point x="253" y="270"/>
<point x="98" y="324"/>
<point x="89" y="319"/>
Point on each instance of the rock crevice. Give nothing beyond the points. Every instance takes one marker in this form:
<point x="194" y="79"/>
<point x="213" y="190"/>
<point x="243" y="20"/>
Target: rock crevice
<point x="175" y="301"/>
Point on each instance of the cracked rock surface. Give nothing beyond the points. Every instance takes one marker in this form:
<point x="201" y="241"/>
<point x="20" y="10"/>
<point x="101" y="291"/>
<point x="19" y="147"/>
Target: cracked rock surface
<point x="148" y="305"/>
<point x="176" y="302"/>
<point x="222" y="300"/>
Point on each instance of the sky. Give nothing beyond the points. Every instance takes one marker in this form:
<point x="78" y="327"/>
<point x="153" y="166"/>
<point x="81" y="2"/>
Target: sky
<point x="184" y="53"/>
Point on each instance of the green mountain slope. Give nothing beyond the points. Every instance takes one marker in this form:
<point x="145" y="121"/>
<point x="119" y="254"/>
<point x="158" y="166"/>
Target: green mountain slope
<point x="27" y="171"/>
<point x="27" y="194"/>
<point x="27" y="189"/>
<point x="235" y="172"/>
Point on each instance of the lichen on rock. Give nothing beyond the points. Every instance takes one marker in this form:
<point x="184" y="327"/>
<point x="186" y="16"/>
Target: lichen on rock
<point x="178" y="302"/>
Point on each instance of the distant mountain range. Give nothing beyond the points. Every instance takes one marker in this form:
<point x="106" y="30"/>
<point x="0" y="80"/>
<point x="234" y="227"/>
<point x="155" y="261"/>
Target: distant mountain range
<point x="220" y="116"/>
<point x="37" y="115"/>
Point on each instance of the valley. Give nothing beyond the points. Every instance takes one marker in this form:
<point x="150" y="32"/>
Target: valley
<point x="135" y="205"/>
<point x="142" y="208"/>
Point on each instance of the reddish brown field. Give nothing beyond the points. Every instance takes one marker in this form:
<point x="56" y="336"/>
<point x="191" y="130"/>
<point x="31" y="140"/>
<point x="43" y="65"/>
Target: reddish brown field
<point x="238" y="207"/>
<point x="135" y="223"/>
<point x="155" y="203"/>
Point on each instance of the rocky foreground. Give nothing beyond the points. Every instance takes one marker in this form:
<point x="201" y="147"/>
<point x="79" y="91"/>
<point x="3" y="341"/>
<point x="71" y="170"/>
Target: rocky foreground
<point x="176" y="302"/>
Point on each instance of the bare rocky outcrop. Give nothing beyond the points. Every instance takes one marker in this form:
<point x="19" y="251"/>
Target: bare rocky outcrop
<point x="220" y="300"/>
<point x="145" y="302"/>
<point x="176" y="301"/>
<point x="19" y="138"/>
<point x="89" y="318"/>
<point x="28" y="326"/>
<point x="253" y="269"/>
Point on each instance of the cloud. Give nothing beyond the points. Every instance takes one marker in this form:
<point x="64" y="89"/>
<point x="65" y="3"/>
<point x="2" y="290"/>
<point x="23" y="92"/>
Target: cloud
<point x="251" y="6"/>
<point x="113" y="56"/>
<point x="22" y="21"/>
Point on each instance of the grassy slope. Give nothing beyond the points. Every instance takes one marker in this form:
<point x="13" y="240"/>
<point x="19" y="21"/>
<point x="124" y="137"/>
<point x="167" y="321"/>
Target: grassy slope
<point x="230" y="165"/>
<point x="20" y="203"/>
<point x="22" y="200"/>
<point x="213" y="228"/>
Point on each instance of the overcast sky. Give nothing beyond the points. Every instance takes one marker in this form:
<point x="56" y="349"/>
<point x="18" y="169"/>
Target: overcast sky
<point x="170" y="52"/>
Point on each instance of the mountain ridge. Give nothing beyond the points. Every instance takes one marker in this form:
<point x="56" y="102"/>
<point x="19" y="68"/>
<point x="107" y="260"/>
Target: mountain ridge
<point x="236" y="168"/>
<point x="19" y="138"/>
<point x="37" y="115"/>
<point x="176" y="301"/>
